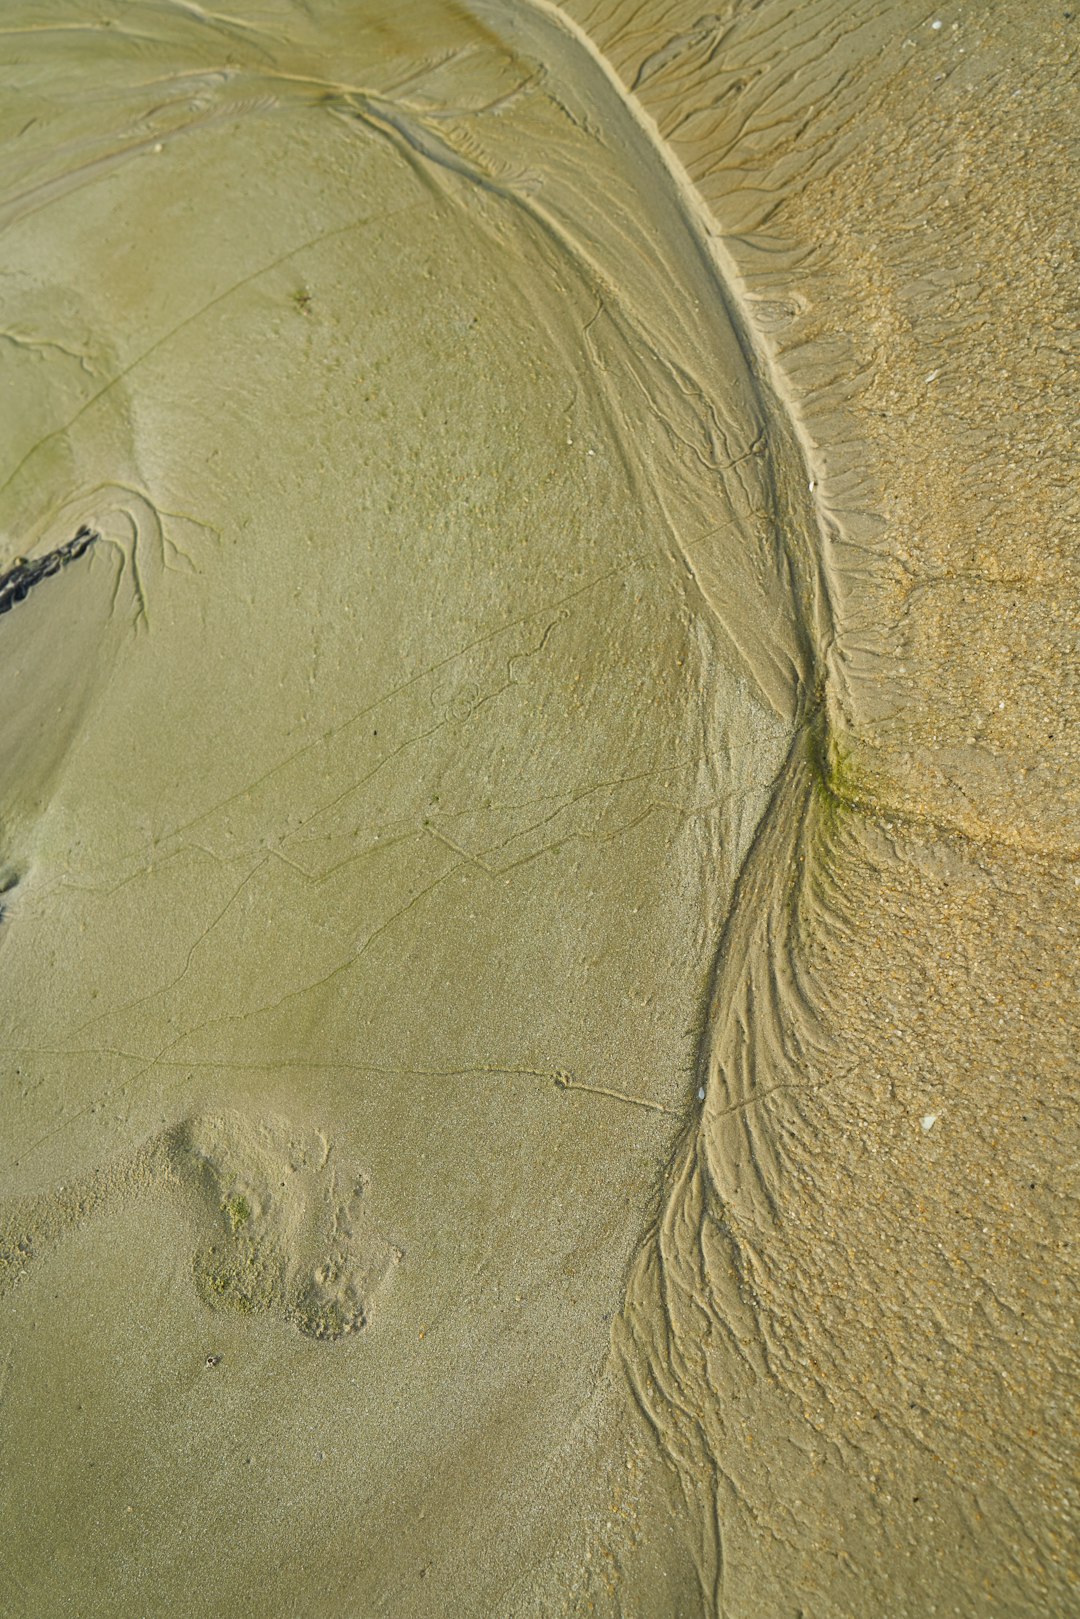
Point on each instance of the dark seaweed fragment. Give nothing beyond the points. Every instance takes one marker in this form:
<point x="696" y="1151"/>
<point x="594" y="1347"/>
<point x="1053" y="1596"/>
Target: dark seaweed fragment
<point x="18" y="581"/>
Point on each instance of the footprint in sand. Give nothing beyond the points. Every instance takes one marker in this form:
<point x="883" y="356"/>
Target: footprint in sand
<point x="281" y="1223"/>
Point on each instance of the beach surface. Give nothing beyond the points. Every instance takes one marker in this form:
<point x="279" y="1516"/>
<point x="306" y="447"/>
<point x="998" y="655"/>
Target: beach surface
<point x="538" y="810"/>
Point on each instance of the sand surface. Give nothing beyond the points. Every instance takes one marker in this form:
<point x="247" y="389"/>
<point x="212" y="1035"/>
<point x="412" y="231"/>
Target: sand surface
<point x="538" y="817"/>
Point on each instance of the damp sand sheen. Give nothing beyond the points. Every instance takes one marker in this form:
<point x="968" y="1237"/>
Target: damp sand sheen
<point x="534" y="971"/>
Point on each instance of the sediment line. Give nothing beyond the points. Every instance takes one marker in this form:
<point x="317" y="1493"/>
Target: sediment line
<point x="690" y="1307"/>
<point x="691" y="1311"/>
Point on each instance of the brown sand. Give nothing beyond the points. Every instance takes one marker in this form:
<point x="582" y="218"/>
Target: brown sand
<point x="538" y="837"/>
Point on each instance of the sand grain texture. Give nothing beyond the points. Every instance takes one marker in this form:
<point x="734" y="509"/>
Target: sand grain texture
<point x="537" y="842"/>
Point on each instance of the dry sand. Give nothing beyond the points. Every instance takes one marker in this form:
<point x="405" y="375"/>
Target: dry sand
<point x="538" y="811"/>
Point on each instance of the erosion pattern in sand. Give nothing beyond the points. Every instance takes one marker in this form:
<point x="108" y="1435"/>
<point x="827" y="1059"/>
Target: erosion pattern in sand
<point x="860" y="1282"/>
<point x="524" y="718"/>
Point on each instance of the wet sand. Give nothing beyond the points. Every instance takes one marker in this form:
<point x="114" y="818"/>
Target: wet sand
<point x="538" y="833"/>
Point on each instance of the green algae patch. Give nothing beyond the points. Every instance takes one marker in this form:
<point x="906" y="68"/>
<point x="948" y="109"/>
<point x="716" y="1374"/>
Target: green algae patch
<point x="837" y="785"/>
<point x="239" y="1276"/>
<point x="237" y="1211"/>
